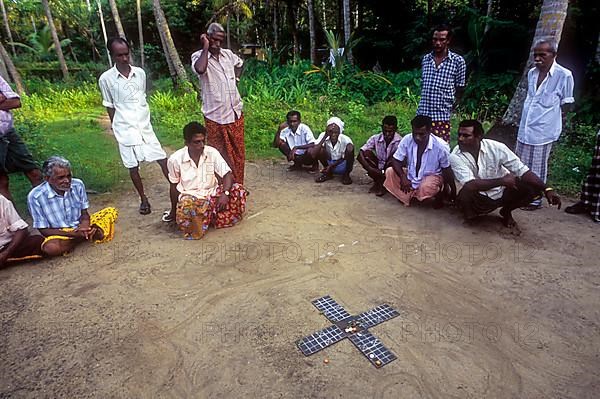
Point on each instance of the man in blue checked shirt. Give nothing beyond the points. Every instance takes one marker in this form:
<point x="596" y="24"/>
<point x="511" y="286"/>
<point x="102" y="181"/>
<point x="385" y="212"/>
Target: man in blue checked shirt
<point x="442" y="82"/>
<point x="59" y="208"/>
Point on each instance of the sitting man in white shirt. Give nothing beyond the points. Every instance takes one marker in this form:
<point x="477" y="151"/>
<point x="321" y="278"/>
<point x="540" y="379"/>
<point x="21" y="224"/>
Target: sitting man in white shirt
<point x="297" y="142"/>
<point x="493" y="177"/>
<point x="203" y="192"/>
<point x="420" y="169"/>
<point x="15" y="241"/>
<point x="336" y="152"/>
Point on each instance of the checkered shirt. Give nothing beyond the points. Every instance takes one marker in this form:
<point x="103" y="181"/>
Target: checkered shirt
<point x="6" y="118"/>
<point x="52" y="211"/>
<point x="438" y="85"/>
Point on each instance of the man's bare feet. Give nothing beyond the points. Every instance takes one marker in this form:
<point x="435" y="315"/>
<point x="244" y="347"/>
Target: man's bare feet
<point x="375" y="188"/>
<point x="509" y="222"/>
<point x="381" y="192"/>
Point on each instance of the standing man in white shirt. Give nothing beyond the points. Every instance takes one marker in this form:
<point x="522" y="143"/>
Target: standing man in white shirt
<point x="492" y="177"/>
<point x="123" y="90"/>
<point x="296" y="141"/>
<point x="549" y="97"/>
<point x="219" y="70"/>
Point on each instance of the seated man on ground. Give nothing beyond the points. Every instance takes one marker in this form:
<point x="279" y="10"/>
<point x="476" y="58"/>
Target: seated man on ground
<point x="59" y="208"/>
<point x="336" y="152"/>
<point x="376" y="155"/>
<point x="420" y="167"/>
<point x="493" y="176"/>
<point x="197" y="198"/>
<point x="297" y="142"/>
<point x="16" y="243"/>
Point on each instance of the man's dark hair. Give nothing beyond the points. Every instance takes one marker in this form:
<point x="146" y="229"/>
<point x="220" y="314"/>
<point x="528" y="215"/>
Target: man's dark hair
<point x="390" y="120"/>
<point x="443" y="27"/>
<point x="292" y="113"/>
<point x="420" y="121"/>
<point x="192" y="129"/>
<point x="475" y="124"/>
<point x="113" y="40"/>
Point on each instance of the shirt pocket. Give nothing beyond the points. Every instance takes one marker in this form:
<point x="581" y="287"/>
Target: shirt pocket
<point x="549" y="100"/>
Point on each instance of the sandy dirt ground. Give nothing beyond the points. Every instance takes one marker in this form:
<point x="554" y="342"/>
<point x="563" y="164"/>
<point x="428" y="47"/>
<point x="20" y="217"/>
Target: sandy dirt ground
<point x="484" y="314"/>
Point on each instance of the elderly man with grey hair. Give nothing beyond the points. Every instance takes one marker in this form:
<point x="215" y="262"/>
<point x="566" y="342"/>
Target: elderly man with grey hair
<point x="59" y="208"/>
<point x="549" y="97"/>
<point x="219" y="70"/>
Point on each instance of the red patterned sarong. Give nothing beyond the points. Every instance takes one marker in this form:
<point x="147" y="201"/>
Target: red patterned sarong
<point x="228" y="139"/>
<point x="441" y="129"/>
<point x="195" y="215"/>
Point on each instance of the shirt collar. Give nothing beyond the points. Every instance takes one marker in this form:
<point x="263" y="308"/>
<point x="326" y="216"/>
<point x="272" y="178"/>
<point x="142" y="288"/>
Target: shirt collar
<point x="50" y="193"/>
<point x="552" y="68"/>
<point x="396" y="137"/>
<point x="117" y="73"/>
<point x="187" y="158"/>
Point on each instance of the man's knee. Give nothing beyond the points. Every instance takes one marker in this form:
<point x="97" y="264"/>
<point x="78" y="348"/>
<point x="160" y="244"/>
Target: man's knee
<point x="349" y="150"/>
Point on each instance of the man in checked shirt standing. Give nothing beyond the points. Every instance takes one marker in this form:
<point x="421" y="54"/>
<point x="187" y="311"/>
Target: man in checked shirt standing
<point x="442" y="82"/>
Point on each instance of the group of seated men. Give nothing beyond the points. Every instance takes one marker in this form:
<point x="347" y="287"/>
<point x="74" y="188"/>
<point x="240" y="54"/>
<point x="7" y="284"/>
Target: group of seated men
<point x="416" y="167"/>
<point x="202" y="193"/>
<point x="420" y="165"/>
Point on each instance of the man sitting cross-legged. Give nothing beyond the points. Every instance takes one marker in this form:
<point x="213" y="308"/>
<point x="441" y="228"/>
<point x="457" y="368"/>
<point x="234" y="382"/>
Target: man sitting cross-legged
<point x="376" y="155"/>
<point x="16" y="243"/>
<point x="336" y="152"/>
<point x="297" y="142"/>
<point x="59" y="208"/>
<point x="197" y="198"/>
<point x="420" y="167"/>
<point x="493" y="176"/>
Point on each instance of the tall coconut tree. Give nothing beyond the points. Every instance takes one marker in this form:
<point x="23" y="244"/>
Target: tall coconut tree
<point x="117" y="18"/>
<point x="7" y="27"/>
<point x="171" y="51"/>
<point x="549" y="26"/>
<point x="311" y="30"/>
<point x="57" y="47"/>
<point x="103" y="25"/>
<point x="140" y="31"/>
<point x="347" y="30"/>
<point x="12" y="70"/>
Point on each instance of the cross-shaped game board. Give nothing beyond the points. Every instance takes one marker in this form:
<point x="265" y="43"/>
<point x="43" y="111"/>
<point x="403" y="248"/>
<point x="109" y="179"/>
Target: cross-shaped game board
<point x="352" y="327"/>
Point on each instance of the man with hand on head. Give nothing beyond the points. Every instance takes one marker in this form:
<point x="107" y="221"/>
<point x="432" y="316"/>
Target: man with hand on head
<point x="219" y="70"/>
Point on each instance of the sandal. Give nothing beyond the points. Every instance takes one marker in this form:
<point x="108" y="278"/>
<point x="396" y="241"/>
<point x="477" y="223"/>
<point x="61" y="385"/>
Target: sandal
<point x="145" y="208"/>
<point x="324" y="177"/>
<point x="166" y="217"/>
<point x="531" y="207"/>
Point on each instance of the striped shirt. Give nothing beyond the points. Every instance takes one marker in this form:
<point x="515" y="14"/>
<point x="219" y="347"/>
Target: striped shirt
<point x="221" y="101"/>
<point x="6" y="118"/>
<point x="383" y="151"/>
<point x="52" y="211"/>
<point x="438" y="85"/>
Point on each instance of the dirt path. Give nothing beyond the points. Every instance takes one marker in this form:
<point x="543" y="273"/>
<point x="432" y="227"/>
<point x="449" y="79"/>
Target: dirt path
<point x="484" y="314"/>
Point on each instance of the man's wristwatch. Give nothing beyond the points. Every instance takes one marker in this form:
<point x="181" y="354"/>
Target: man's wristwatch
<point x="226" y="192"/>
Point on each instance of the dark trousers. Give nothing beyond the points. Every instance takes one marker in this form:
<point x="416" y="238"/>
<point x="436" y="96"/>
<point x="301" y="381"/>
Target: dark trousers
<point x="474" y="204"/>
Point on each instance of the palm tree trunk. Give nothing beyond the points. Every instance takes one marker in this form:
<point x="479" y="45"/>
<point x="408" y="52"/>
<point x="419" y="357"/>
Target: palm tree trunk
<point x="57" y="48"/>
<point x="312" y="33"/>
<point x="7" y="27"/>
<point x="169" y="45"/>
<point x="489" y="14"/>
<point x="101" y="14"/>
<point x="117" y="18"/>
<point x="275" y="27"/>
<point x="12" y="70"/>
<point x="347" y="31"/>
<point x="4" y="71"/>
<point x="172" y="71"/>
<point x="293" y="28"/>
<point x="33" y="25"/>
<point x="140" y="32"/>
<point x="228" y="33"/>
<point x="597" y="57"/>
<point x="549" y="26"/>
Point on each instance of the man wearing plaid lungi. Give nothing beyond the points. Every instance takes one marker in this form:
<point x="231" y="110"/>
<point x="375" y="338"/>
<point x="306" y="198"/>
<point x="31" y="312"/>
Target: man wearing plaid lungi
<point x="442" y="82"/>
<point x="549" y="97"/>
<point x="590" y="190"/>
